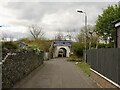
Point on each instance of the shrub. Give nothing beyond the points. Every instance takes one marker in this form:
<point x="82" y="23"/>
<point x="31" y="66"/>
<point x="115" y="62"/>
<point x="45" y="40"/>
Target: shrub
<point x="42" y="44"/>
<point x="9" y="45"/>
<point x="74" y="58"/>
<point x="78" y="49"/>
<point x="102" y="45"/>
<point x="32" y="48"/>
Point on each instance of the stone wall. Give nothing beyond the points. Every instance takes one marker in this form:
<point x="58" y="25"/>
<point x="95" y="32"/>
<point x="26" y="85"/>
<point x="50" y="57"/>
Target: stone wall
<point x="18" y="65"/>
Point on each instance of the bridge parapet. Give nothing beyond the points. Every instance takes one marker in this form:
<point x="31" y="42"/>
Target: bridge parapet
<point x="62" y="43"/>
<point x="58" y="45"/>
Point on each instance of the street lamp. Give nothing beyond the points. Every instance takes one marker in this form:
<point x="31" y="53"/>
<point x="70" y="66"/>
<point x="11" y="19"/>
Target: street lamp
<point x="0" y="37"/>
<point x="85" y="32"/>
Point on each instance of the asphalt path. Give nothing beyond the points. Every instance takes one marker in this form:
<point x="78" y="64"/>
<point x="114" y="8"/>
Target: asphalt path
<point x="57" y="73"/>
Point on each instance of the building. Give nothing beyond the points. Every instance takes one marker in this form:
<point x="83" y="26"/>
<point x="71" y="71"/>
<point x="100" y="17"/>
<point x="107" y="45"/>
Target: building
<point x="117" y="26"/>
<point x="60" y="49"/>
<point x="22" y="44"/>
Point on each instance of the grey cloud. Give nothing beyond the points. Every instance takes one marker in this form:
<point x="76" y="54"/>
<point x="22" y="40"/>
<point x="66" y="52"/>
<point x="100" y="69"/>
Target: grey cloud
<point x="35" y="12"/>
<point x="16" y="35"/>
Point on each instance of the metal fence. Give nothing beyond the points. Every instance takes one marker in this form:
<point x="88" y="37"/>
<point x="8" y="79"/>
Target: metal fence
<point x="106" y="62"/>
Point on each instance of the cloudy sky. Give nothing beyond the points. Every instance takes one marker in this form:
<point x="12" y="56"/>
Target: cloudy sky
<point x="53" y="17"/>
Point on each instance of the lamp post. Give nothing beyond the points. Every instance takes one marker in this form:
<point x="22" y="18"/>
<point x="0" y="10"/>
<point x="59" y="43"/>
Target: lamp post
<point x="85" y="32"/>
<point x="1" y="36"/>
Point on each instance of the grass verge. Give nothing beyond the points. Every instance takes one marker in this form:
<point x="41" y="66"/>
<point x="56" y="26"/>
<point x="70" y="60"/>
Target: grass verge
<point x="84" y="67"/>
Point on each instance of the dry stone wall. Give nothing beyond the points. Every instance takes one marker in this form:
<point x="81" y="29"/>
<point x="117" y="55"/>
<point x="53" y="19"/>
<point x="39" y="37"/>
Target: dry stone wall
<point x="18" y="65"/>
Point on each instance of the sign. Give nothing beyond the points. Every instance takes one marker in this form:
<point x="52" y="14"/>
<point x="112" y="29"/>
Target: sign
<point x="62" y="43"/>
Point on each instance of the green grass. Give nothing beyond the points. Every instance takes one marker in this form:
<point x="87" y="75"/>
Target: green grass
<point x="84" y="67"/>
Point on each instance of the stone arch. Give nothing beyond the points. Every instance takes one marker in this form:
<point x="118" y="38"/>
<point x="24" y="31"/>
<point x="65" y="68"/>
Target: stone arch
<point x="62" y="52"/>
<point x="66" y="48"/>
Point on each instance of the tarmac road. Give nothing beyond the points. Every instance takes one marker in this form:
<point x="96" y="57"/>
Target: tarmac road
<point x="57" y="73"/>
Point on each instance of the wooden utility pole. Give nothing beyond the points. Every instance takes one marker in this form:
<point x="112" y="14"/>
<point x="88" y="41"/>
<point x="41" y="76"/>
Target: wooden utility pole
<point x="90" y="43"/>
<point x="97" y="41"/>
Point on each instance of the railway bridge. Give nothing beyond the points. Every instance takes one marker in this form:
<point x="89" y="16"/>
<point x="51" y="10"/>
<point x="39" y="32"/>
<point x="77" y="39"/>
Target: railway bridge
<point x="60" y="49"/>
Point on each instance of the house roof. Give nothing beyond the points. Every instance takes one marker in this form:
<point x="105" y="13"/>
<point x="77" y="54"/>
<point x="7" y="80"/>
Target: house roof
<point x="116" y="22"/>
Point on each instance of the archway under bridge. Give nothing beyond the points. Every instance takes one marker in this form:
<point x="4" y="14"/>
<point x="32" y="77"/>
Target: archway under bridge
<point x="62" y="52"/>
<point x="60" y="49"/>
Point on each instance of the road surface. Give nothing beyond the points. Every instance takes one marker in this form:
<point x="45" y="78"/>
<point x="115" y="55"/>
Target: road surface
<point x="57" y="73"/>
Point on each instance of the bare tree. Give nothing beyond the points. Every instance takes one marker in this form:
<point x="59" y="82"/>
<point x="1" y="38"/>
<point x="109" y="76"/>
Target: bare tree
<point x="81" y="35"/>
<point x="11" y="38"/>
<point x="91" y="36"/>
<point x="4" y="37"/>
<point x="71" y="33"/>
<point x="7" y="37"/>
<point x="59" y="36"/>
<point x="36" y="31"/>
